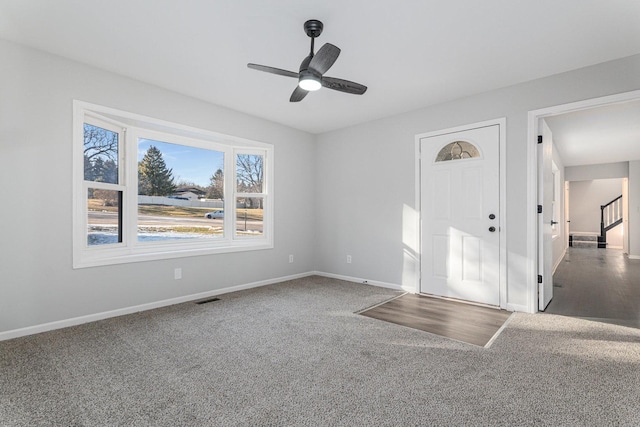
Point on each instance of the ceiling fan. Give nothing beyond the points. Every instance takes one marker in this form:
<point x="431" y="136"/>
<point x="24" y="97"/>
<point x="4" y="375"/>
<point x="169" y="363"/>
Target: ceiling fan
<point x="311" y="75"/>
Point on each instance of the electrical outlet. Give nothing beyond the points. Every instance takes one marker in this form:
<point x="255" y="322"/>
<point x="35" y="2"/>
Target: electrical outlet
<point x="290" y="258"/>
<point x="348" y="259"/>
<point x="177" y="273"/>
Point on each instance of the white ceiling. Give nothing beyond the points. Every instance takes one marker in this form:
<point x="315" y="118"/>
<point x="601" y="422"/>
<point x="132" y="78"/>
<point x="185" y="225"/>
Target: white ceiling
<point x="599" y="135"/>
<point x="410" y="53"/>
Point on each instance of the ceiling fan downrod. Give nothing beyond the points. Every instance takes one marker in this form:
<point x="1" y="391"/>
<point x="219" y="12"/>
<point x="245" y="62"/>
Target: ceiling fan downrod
<point x="313" y="28"/>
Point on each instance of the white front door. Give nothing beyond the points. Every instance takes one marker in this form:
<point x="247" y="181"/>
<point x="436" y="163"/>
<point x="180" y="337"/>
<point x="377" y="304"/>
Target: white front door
<point x="460" y="204"/>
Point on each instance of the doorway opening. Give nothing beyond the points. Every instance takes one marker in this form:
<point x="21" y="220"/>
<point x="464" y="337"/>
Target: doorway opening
<point x="599" y="159"/>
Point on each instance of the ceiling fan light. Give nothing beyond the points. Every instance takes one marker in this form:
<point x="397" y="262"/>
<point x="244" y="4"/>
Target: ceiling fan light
<point x="309" y="83"/>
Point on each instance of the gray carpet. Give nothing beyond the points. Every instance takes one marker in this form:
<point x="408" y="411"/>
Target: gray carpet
<point x="296" y="354"/>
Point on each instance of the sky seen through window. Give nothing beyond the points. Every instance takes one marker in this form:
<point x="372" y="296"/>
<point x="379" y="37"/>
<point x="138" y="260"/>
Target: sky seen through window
<point x="189" y="164"/>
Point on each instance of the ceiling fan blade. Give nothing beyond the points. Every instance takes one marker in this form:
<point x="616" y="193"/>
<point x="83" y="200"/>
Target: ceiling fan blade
<point x="273" y="70"/>
<point x="324" y="58"/>
<point x="343" y="85"/>
<point x="298" y="94"/>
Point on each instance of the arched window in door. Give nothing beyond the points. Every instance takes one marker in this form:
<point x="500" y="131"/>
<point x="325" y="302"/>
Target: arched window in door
<point x="457" y="150"/>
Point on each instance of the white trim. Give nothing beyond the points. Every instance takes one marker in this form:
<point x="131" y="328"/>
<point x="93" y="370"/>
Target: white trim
<point x="633" y="256"/>
<point x="532" y="177"/>
<point x="502" y="178"/>
<point x="504" y="259"/>
<point x="167" y="126"/>
<point x="517" y="307"/>
<point x="417" y="185"/>
<point x="362" y="281"/>
<point x="59" y="324"/>
<point x="532" y="215"/>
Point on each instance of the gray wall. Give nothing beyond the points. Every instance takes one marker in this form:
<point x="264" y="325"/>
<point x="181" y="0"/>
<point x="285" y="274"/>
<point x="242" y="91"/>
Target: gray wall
<point x="376" y="160"/>
<point x="585" y="199"/>
<point x="582" y="178"/>
<point x="600" y="171"/>
<point x="325" y="187"/>
<point x="37" y="284"/>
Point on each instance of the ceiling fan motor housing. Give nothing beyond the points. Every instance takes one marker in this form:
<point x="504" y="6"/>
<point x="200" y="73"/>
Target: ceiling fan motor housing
<point x="313" y="28"/>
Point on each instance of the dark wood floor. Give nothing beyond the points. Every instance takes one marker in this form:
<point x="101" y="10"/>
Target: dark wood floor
<point x="597" y="284"/>
<point x="463" y="322"/>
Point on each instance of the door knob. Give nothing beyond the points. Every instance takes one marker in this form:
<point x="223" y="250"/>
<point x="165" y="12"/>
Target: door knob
<point x="553" y="222"/>
<point x="492" y="229"/>
<point x="492" y="216"/>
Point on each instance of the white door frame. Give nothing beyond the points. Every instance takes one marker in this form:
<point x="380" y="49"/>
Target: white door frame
<point x="625" y="215"/>
<point x="502" y="124"/>
<point x="532" y="178"/>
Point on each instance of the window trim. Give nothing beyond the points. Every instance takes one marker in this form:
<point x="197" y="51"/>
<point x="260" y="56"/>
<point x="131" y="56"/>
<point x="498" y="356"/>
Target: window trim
<point x="130" y="250"/>
<point x="120" y="186"/>
<point x="238" y="194"/>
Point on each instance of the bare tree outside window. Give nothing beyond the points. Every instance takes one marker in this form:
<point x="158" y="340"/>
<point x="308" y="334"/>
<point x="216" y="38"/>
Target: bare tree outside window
<point x="249" y="176"/>
<point x="100" y="154"/>
<point x="249" y="173"/>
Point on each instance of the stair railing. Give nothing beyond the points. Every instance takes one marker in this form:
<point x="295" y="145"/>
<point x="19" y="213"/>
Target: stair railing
<point x="610" y="216"/>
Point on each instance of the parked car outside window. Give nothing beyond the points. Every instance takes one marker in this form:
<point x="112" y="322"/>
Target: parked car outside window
<point x="218" y="213"/>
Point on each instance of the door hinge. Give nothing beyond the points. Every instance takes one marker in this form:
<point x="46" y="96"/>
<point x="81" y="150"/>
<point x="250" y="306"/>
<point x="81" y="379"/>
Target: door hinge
<point x="539" y="139"/>
<point x="539" y="278"/>
<point x="539" y="208"/>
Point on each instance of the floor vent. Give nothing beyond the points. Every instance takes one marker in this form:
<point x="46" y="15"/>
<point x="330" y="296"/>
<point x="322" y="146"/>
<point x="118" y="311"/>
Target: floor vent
<point x="204" y="301"/>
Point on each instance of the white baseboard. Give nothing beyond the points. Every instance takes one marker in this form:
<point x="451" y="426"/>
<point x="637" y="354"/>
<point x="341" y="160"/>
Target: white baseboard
<point x="65" y="323"/>
<point x="634" y="256"/>
<point x="518" y="307"/>
<point x="564" y="252"/>
<point x="393" y="286"/>
<point x="59" y="324"/>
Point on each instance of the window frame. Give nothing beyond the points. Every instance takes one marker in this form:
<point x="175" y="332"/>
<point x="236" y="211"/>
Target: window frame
<point x="115" y="127"/>
<point x="133" y="126"/>
<point x="239" y="194"/>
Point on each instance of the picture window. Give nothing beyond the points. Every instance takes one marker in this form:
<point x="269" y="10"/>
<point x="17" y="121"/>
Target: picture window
<point x="147" y="189"/>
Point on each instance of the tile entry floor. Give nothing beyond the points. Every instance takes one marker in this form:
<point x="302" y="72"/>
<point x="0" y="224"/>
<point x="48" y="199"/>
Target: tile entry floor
<point x="463" y="322"/>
